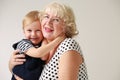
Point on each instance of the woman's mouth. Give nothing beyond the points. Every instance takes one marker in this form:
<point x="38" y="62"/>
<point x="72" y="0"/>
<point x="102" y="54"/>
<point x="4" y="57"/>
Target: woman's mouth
<point x="48" y="29"/>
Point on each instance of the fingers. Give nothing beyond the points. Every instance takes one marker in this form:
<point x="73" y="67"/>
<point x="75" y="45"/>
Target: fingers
<point x="15" y="52"/>
<point x="61" y="34"/>
<point x="19" y="56"/>
<point x="20" y="60"/>
<point x="17" y="59"/>
<point x="61" y="37"/>
<point x="17" y="77"/>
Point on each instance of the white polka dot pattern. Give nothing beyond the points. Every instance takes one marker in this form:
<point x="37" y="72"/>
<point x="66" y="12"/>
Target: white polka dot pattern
<point x="51" y="69"/>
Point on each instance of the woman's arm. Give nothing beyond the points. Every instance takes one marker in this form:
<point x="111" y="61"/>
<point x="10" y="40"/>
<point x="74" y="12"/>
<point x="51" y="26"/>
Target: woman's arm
<point x="69" y="65"/>
<point x="44" y="49"/>
<point x="16" y="60"/>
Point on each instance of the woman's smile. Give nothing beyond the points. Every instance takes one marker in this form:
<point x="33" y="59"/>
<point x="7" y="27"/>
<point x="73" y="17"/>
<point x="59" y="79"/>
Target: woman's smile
<point x="48" y="29"/>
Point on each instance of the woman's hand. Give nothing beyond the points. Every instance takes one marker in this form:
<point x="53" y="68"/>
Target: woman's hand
<point x="17" y="77"/>
<point x="16" y="59"/>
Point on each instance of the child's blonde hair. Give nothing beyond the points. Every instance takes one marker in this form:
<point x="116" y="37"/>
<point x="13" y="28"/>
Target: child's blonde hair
<point x="31" y="17"/>
<point x="66" y="13"/>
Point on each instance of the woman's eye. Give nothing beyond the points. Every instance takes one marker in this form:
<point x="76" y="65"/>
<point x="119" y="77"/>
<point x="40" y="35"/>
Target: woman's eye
<point x="46" y="16"/>
<point x="56" y="20"/>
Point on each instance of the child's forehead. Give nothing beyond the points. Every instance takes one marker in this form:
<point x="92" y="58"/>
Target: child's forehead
<point x="34" y="24"/>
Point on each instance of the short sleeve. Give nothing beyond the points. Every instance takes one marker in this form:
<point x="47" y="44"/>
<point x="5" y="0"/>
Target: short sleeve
<point x="70" y="44"/>
<point x="23" y="45"/>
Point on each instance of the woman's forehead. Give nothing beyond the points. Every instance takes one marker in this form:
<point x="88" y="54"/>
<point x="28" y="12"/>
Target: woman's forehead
<point x="55" y="12"/>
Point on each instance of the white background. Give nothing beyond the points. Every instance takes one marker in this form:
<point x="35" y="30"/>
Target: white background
<point x="98" y="22"/>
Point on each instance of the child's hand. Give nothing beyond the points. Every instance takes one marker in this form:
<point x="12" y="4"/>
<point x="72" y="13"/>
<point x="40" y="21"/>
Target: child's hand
<point x="60" y="37"/>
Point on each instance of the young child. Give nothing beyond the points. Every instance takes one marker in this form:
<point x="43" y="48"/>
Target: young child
<point x="35" y="55"/>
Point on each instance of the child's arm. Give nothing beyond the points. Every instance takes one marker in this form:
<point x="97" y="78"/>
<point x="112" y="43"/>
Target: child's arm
<point x="43" y="50"/>
<point x="44" y="42"/>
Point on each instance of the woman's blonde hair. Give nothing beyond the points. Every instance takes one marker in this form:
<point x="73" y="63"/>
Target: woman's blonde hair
<point x="31" y="17"/>
<point x="66" y="13"/>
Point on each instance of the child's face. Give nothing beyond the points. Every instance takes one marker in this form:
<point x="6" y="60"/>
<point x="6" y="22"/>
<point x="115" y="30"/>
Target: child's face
<point x="33" y="32"/>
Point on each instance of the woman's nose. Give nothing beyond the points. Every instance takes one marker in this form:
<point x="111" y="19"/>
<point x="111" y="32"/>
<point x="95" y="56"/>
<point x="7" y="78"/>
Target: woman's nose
<point x="49" y="21"/>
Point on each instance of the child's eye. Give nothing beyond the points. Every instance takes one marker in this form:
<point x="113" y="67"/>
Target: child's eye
<point x="38" y="30"/>
<point x="29" y="30"/>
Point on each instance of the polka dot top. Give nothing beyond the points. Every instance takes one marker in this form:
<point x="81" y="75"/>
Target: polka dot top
<point x="50" y="71"/>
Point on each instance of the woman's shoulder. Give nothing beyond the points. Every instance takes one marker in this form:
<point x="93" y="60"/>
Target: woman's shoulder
<point x="69" y="44"/>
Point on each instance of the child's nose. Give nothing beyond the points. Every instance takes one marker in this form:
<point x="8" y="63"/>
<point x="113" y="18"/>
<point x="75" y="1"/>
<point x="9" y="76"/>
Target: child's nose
<point x="33" y="33"/>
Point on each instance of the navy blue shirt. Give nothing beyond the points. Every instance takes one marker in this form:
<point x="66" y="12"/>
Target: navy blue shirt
<point x="32" y="68"/>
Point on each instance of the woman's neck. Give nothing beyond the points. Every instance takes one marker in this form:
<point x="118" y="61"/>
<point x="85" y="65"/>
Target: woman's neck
<point x="48" y="40"/>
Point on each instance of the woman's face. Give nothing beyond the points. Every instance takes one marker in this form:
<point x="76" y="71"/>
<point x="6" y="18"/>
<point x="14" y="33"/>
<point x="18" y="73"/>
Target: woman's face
<point x="33" y="32"/>
<point x="52" y="26"/>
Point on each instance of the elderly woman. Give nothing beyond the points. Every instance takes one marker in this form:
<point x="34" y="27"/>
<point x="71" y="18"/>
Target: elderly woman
<point x="66" y="61"/>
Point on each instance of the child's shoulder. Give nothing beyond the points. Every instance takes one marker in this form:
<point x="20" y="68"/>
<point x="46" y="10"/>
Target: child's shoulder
<point x="22" y="45"/>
